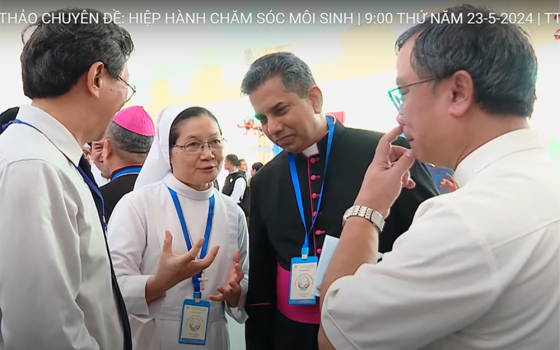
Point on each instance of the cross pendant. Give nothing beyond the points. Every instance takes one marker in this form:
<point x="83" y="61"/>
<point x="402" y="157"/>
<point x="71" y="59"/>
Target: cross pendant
<point x="202" y="279"/>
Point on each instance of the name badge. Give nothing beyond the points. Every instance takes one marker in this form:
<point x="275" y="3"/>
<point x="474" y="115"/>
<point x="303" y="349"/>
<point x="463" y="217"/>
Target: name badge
<point x="194" y="322"/>
<point x="302" y="276"/>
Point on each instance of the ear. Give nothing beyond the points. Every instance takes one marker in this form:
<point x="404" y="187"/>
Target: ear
<point x="315" y="95"/>
<point x="95" y="79"/>
<point x="462" y="95"/>
<point x="107" y="149"/>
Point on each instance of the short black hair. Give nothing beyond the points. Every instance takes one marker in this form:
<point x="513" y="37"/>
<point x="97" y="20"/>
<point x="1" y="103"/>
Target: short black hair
<point x="186" y="114"/>
<point x="499" y="57"/>
<point x="8" y="116"/>
<point x="232" y="158"/>
<point x="62" y="49"/>
<point x="257" y="166"/>
<point x="295" y="73"/>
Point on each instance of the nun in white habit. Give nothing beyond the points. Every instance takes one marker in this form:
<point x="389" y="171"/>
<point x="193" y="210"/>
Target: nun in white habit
<point x="156" y="271"/>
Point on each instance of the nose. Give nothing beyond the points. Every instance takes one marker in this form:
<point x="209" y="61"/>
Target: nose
<point x="274" y="126"/>
<point x="206" y="152"/>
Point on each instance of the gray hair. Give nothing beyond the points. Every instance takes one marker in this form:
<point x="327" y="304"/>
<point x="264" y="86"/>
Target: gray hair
<point x="499" y="57"/>
<point x="128" y="141"/>
<point x="295" y="73"/>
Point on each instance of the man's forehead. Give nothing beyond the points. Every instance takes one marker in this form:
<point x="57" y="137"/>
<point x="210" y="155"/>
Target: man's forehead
<point x="405" y="71"/>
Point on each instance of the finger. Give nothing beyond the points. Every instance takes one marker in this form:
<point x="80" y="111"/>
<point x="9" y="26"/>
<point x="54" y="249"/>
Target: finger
<point x="239" y="273"/>
<point x="193" y="252"/>
<point x="167" y="243"/>
<point x="219" y="297"/>
<point x="210" y="256"/>
<point x="396" y="152"/>
<point x="224" y="290"/>
<point x="384" y="146"/>
<point x="401" y="166"/>
<point x="236" y="257"/>
<point x="319" y="287"/>
<point x="234" y="287"/>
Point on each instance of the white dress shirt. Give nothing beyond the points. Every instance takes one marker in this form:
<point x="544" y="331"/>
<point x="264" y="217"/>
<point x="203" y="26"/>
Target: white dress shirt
<point x="478" y="268"/>
<point x="55" y="275"/>
<point x="238" y="188"/>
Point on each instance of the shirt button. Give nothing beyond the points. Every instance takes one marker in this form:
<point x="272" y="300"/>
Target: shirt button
<point x="319" y="232"/>
<point x="314" y="195"/>
<point x="315" y="177"/>
<point x="319" y="251"/>
<point x="314" y="214"/>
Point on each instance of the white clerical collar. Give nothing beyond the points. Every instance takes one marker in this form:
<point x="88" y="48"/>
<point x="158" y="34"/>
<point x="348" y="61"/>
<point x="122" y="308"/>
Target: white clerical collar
<point x="493" y="150"/>
<point x="311" y="150"/>
<point x="186" y="191"/>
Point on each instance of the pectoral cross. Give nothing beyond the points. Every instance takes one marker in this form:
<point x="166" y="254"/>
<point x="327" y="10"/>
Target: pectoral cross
<point x="202" y="279"/>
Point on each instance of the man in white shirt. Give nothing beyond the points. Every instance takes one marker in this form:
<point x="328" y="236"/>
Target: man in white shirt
<point x="236" y="182"/>
<point x="479" y="267"/>
<point x="57" y="286"/>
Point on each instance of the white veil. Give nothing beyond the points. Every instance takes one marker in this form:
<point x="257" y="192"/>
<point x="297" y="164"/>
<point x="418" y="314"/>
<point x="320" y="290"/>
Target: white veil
<point x="157" y="165"/>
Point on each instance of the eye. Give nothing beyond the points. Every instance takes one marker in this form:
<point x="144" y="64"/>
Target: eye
<point x="281" y="111"/>
<point x="193" y="145"/>
<point x="216" y="142"/>
<point x="262" y="119"/>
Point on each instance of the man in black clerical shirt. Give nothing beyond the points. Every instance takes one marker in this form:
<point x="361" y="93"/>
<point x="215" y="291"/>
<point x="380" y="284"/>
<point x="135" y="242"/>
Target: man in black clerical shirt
<point x="288" y="104"/>
<point x="126" y="146"/>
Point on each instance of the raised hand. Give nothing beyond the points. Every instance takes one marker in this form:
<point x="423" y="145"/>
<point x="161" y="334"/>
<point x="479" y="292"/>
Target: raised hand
<point x="231" y="292"/>
<point x="174" y="268"/>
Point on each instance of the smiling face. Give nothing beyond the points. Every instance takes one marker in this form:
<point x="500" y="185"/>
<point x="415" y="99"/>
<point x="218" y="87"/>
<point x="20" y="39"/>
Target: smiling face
<point x="197" y="168"/>
<point x="287" y="119"/>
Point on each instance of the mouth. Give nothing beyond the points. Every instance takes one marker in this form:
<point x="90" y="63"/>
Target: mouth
<point x="284" y="139"/>
<point x="208" y="168"/>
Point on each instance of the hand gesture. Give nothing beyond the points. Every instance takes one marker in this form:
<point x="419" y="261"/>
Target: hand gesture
<point x="231" y="292"/>
<point x="387" y="174"/>
<point x="174" y="268"/>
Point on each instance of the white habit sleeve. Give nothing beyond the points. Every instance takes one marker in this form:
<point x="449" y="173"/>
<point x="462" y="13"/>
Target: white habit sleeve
<point x="126" y="235"/>
<point x="40" y="267"/>
<point x="438" y="279"/>
<point x="238" y="190"/>
<point x="238" y="313"/>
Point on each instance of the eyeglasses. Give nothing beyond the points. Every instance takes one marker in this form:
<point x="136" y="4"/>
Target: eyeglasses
<point x="131" y="89"/>
<point x="396" y="95"/>
<point x="196" y="146"/>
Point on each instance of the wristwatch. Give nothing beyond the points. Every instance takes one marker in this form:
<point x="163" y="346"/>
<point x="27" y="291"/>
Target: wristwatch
<point x="367" y="213"/>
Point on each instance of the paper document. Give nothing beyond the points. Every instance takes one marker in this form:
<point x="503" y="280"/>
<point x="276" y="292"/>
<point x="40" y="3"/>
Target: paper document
<point x="326" y="255"/>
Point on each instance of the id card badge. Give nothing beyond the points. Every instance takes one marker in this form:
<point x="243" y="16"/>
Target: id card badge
<point x="194" y="322"/>
<point x="302" y="276"/>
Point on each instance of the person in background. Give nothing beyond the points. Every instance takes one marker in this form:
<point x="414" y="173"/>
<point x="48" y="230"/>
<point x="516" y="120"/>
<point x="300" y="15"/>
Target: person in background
<point x="57" y="286"/>
<point x="479" y="268"/>
<point x="235" y="183"/>
<point x="243" y="166"/>
<point x="291" y="211"/>
<point x="157" y="231"/>
<point x="254" y="169"/>
<point x="127" y="143"/>
<point x="7" y="117"/>
<point x="101" y="173"/>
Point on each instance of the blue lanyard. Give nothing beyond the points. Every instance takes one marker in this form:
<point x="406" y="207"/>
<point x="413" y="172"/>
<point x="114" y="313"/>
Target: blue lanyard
<point x="132" y="170"/>
<point x="197" y="295"/>
<point x="297" y="190"/>
<point x="87" y="180"/>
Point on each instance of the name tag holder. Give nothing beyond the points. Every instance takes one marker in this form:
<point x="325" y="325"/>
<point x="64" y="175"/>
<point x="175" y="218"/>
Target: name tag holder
<point x="303" y="269"/>
<point x="194" y="317"/>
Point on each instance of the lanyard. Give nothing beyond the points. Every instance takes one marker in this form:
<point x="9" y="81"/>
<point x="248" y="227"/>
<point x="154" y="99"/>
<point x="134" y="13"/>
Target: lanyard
<point x="132" y="170"/>
<point x="86" y="178"/>
<point x="197" y="295"/>
<point x="297" y="190"/>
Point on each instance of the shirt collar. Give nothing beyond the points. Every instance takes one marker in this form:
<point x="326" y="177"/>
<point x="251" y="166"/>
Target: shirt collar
<point x="321" y="144"/>
<point x="494" y="150"/>
<point x="53" y="130"/>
